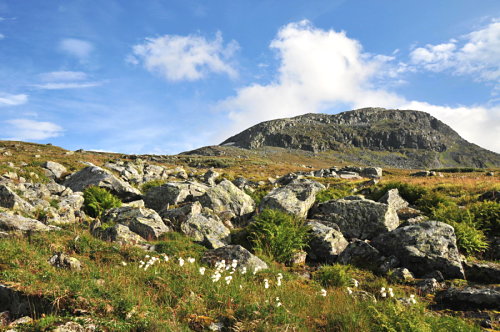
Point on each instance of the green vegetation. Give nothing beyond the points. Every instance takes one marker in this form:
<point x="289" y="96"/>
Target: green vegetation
<point x="278" y="235"/>
<point x="333" y="275"/>
<point x="258" y="194"/>
<point x="114" y="292"/>
<point x="336" y="191"/>
<point x="411" y="193"/>
<point x="151" y="184"/>
<point x="97" y="200"/>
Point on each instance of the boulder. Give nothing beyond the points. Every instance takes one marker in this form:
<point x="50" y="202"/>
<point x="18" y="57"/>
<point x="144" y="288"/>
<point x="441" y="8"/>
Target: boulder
<point x="175" y="217"/>
<point x="206" y="229"/>
<point x="145" y="222"/>
<point x="15" y="223"/>
<point x="295" y="198"/>
<point x="96" y="176"/>
<point x="401" y="274"/>
<point x="55" y="170"/>
<point x="371" y="172"/>
<point x="227" y="197"/>
<point x="393" y="199"/>
<point x="358" y="218"/>
<point x="469" y="298"/>
<point x="210" y="176"/>
<point x="9" y="199"/>
<point x="326" y="243"/>
<point x="361" y="254"/>
<point x="118" y="233"/>
<point x="486" y="273"/>
<point x="244" y="257"/>
<point x="423" y="247"/>
<point x="62" y="260"/>
<point x="159" y="198"/>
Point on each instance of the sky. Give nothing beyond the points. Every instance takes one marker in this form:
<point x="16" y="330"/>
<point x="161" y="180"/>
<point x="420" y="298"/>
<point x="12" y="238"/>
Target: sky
<point x="166" y="76"/>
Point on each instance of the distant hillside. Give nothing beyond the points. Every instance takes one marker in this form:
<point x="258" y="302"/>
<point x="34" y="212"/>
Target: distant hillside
<point x="397" y="138"/>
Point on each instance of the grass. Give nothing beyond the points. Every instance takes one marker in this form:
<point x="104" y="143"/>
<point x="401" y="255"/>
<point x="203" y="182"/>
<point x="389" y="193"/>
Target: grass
<point x="176" y="298"/>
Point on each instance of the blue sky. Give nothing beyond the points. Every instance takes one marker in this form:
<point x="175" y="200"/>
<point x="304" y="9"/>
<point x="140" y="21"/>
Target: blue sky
<point x="157" y="76"/>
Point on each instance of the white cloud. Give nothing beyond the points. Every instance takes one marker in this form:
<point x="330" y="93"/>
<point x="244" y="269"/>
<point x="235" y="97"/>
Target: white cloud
<point x="24" y="129"/>
<point x="78" y="48"/>
<point x="63" y="76"/>
<point x="2" y="36"/>
<point x="67" y="85"/>
<point x="190" y="58"/>
<point x="12" y="100"/>
<point x="326" y="70"/>
<point x="477" y="53"/>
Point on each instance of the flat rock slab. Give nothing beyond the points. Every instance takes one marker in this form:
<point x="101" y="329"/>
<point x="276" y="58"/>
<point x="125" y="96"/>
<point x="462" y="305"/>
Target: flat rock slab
<point x="244" y="257"/>
<point x="470" y="298"/>
<point x="15" y="223"/>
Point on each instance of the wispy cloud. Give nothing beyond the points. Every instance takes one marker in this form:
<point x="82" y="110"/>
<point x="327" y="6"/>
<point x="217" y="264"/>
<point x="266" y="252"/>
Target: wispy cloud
<point x="324" y="70"/>
<point x="67" y="85"/>
<point x="58" y="80"/>
<point x="190" y="58"/>
<point x="63" y="76"/>
<point x="78" y="48"/>
<point x="477" y="54"/>
<point x="2" y="36"/>
<point x="12" y="100"/>
<point x="25" y="129"/>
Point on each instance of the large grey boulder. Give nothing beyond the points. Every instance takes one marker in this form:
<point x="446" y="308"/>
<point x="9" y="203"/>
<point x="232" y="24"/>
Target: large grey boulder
<point x="96" y="176"/>
<point x="54" y="170"/>
<point x="159" y="198"/>
<point x="363" y="255"/>
<point x="206" y="229"/>
<point x="295" y="198"/>
<point x="469" y="298"/>
<point x="326" y="243"/>
<point x="393" y="199"/>
<point x="145" y="222"/>
<point x="118" y="233"/>
<point x="9" y="199"/>
<point x="227" y="197"/>
<point x="175" y="217"/>
<point x="371" y="172"/>
<point x="424" y="247"/>
<point x="358" y="218"/>
<point x="244" y="257"/>
<point x="15" y="223"/>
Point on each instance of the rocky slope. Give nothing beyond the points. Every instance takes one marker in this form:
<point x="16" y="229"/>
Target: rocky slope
<point x="398" y="138"/>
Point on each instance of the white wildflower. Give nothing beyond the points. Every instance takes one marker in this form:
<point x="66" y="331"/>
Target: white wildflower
<point x="181" y="261"/>
<point x="412" y="299"/>
<point x="228" y="279"/>
<point x="191" y="260"/>
<point x="355" y="283"/>
<point x="244" y="270"/>
<point x="216" y="276"/>
<point x="165" y="258"/>
<point x="278" y="302"/>
<point x="124" y="263"/>
<point x="391" y="293"/>
<point x="323" y="292"/>
<point x="278" y="278"/>
<point x="266" y="283"/>
<point x="234" y="264"/>
<point x="349" y="290"/>
<point x="201" y="270"/>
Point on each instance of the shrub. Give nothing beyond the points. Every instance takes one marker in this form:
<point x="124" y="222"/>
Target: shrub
<point x="333" y="275"/>
<point x="487" y="216"/>
<point x="97" y="200"/>
<point x="431" y="200"/>
<point x="278" y="235"/>
<point x="470" y="239"/>
<point x="411" y="193"/>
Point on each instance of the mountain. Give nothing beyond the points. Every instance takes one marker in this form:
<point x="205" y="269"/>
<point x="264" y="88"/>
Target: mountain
<point x="398" y="138"/>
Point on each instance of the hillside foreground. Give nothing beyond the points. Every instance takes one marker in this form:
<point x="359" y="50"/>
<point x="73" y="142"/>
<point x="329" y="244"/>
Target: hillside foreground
<point x="109" y="242"/>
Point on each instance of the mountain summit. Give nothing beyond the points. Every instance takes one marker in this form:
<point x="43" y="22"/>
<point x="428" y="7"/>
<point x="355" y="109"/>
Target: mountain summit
<point x="400" y="138"/>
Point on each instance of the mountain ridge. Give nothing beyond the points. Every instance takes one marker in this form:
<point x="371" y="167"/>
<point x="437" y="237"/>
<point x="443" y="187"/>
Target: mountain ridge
<point x="420" y="137"/>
